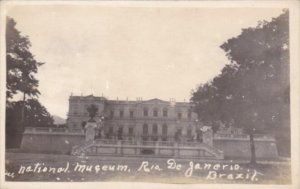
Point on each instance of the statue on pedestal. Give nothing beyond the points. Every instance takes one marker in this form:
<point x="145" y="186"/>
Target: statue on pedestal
<point x="91" y="125"/>
<point x="92" y="112"/>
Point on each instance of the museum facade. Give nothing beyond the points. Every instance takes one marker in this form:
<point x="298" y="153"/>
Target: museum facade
<point x="153" y="119"/>
<point x="97" y="126"/>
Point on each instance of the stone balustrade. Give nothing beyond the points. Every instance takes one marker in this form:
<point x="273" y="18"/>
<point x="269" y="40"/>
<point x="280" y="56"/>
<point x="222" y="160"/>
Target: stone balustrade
<point x="242" y="137"/>
<point x="142" y="148"/>
<point x="51" y="130"/>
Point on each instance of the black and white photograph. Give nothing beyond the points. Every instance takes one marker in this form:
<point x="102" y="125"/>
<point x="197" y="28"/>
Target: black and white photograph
<point x="171" y="93"/>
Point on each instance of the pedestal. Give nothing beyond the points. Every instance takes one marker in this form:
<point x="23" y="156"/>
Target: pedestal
<point x="207" y="136"/>
<point x="90" y="132"/>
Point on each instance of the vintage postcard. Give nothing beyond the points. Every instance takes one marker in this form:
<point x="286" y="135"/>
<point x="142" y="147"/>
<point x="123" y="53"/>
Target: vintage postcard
<point x="143" y="94"/>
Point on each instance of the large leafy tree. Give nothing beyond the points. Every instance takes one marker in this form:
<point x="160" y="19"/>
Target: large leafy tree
<point x="21" y="64"/>
<point x="253" y="90"/>
<point x="20" y="79"/>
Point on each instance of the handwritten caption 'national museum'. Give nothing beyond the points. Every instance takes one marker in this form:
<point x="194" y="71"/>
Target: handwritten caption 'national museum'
<point x="209" y="171"/>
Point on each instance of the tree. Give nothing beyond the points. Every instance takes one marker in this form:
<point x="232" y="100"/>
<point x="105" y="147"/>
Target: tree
<point x="20" y="72"/>
<point x="253" y="90"/>
<point x="21" y="65"/>
<point x="37" y="115"/>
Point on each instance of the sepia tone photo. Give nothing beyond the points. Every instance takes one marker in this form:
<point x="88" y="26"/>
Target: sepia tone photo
<point x="148" y="94"/>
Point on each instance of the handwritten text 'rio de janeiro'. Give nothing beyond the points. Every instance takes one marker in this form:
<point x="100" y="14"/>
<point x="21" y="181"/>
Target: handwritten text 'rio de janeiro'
<point x="211" y="171"/>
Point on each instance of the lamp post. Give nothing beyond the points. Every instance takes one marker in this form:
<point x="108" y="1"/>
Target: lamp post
<point x="252" y="146"/>
<point x="197" y="130"/>
<point x="100" y="126"/>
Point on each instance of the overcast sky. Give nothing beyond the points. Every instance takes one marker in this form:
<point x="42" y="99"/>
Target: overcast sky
<point x="128" y="52"/>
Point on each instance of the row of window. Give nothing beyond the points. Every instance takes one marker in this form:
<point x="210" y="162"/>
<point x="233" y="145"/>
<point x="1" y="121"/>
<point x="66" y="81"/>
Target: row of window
<point x="155" y="129"/>
<point x="146" y="113"/>
<point x="85" y="113"/>
<point x="145" y="130"/>
<point x="120" y="131"/>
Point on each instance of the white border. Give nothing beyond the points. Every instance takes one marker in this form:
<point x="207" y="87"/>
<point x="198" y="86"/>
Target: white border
<point x="294" y="76"/>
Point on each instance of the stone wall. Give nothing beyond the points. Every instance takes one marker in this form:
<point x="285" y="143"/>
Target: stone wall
<point x="238" y="146"/>
<point x="47" y="140"/>
<point x="51" y="140"/>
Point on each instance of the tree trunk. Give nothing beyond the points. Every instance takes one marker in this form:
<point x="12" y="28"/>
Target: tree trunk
<point x="23" y="112"/>
<point x="252" y="147"/>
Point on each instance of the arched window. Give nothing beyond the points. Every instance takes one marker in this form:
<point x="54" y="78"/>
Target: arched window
<point x="189" y="132"/>
<point x="111" y="130"/>
<point x="120" y="132"/>
<point x="164" y="132"/>
<point x="145" y="129"/>
<point x="189" y="135"/>
<point x="154" y="129"/>
<point x="130" y="131"/>
<point x="178" y="135"/>
<point x="165" y="129"/>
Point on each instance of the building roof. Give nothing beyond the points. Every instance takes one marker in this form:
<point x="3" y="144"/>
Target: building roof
<point x="139" y="101"/>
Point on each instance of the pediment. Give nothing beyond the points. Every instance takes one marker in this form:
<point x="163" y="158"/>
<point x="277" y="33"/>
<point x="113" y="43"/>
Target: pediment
<point x="90" y="96"/>
<point x="156" y="100"/>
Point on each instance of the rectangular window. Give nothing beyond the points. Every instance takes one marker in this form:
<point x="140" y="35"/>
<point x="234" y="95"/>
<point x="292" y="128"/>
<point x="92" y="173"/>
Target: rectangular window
<point x="165" y="129"/>
<point x="121" y="113"/>
<point x="120" y="133"/>
<point x="165" y="113"/>
<point x="154" y="129"/>
<point x="145" y="129"/>
<point x="179" y="115"/>
<point x="189" y="115"/>
<point x="189" y="133"/>
<point x="145" y="112"/>
<point x="131" y="114"/>
<point x="111" y="130"/>
<point x="155" y="113"/>
<point x="111" y="114"/>
<point x="130" y="131"/>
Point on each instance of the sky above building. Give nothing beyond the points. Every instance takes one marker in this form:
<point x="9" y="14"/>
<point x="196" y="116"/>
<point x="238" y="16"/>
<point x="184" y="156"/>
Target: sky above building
<point x="129" y="52"/>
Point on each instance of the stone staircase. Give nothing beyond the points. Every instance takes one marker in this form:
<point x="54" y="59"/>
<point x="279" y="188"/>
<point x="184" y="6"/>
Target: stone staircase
<point x="136" y="148"/>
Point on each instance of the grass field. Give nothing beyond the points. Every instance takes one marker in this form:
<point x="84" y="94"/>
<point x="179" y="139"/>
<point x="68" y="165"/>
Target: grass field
<point x="64" y="168"/>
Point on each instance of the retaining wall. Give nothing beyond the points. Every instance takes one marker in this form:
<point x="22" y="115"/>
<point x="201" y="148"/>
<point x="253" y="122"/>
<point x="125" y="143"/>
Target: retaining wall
<point x="235" y="147"/>
<point x="47" y="140"/>
<point x="50" y="141"/>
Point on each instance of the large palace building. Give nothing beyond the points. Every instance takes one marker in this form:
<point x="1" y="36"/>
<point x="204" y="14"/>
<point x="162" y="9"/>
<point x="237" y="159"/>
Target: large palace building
<point x="97" y="126"/>
<point x="148" y="120"/>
